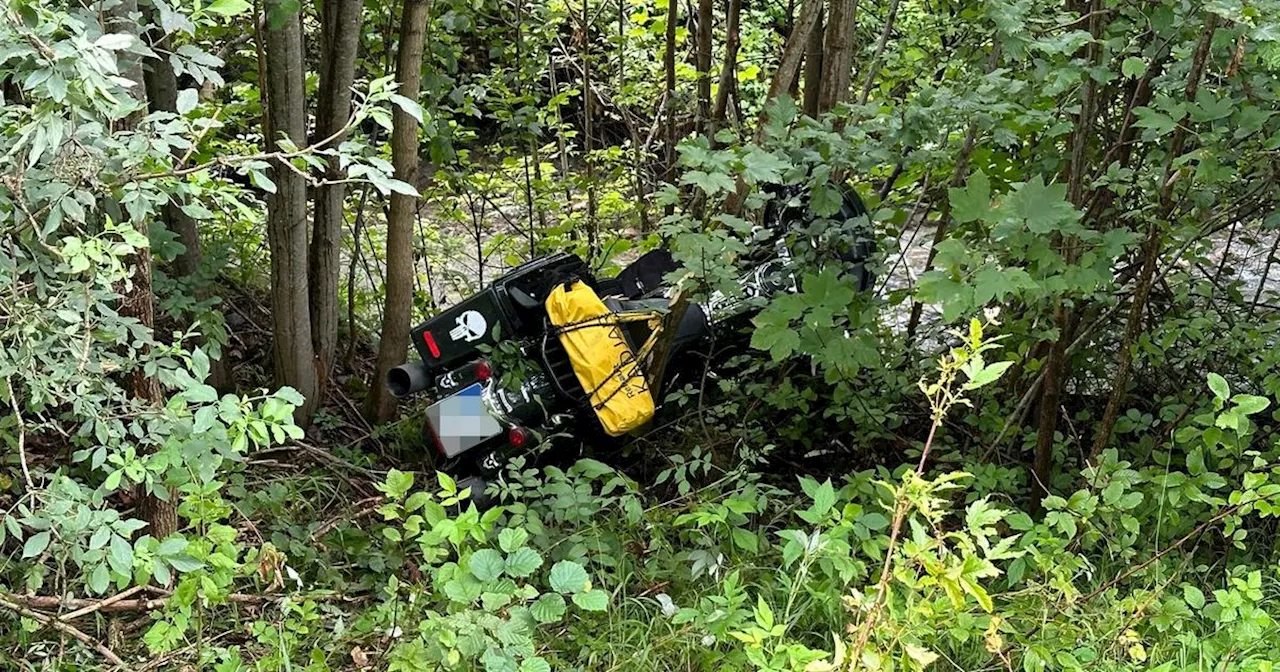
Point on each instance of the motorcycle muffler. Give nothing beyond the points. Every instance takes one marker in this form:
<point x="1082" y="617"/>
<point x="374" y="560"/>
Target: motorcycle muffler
<point x="408" y="378"/>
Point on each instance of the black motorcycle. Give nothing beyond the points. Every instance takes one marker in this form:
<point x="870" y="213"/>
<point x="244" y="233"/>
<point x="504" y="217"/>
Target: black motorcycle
<point x="569" y="375"/>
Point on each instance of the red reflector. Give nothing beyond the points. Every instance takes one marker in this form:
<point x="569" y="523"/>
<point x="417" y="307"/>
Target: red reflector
<point x="484" y="371"/>
<point x="431" y="344"/>
<point x="517" y="437"/>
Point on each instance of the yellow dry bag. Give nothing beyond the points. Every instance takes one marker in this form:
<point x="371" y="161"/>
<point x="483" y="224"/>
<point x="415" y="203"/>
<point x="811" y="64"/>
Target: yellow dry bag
<point x="604" y="362"/>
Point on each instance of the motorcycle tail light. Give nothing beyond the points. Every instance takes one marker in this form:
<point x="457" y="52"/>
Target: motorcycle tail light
<point x="431" y="344"/>
<point x="518" y="437"/>
<point x="484" y="371"/>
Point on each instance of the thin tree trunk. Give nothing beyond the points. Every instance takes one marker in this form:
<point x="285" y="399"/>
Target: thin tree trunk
<point x="1150" y="254"/>
<point x="705" y="20"/>
<point x="669" y="67"/>
<point x="398" y="309"/>
<point x="341" y="30"/>
<point x="813" y="57"/>
<point x="162" y="96"/>
<point x="793" y="50"/>
<point x="1056" y="369"/>
<point x="292" y="352"/>
<point x="588" y="115"/>
<point x="138" y="301"/>
<point x="874" y="65"/>
<point x="837" y="59"/>
<point x="729" y="71"/>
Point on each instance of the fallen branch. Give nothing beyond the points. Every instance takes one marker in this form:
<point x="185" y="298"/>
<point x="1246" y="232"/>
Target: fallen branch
<point x="65" y="628"/>
<point x="124" y="602"/>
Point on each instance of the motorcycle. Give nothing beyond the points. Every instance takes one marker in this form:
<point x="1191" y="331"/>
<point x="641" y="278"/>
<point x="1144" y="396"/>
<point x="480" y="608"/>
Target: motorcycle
<point x="549" y="349"/>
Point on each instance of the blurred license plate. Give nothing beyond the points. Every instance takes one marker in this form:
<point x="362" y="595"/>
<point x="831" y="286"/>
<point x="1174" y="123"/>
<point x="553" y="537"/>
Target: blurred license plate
<point x="461" y="421"/>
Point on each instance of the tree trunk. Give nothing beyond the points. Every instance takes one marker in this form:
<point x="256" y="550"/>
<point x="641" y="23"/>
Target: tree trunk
<point x="138" y="301"/>
<point x="705" y="20"/>
<point x="292" y="352"/>
<point x="793" y="51"/>
<point x="1056" y="366"/>
<point x="162" y="96"/>
<point x="875" y="60"/>
<point x="837" y="61"/>
<point x="340" y="39"/>
<point x="729" y="71"/>
<point x="669" y="103"/>
<point x="813" y="57"/>
<point x="397" y="311"/>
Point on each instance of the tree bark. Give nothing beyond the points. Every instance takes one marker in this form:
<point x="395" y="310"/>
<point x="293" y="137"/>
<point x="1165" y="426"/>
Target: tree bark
<point x="793" y="50"/>
<point x="669" y="103"/>
<point x="813" y="57"/>
<point x="162" y="96"/>
<point x="294" y="359"/>
<point x="837" y="59"/>
<point x="1056" y="366"/>
<point x="397" y="311"/>
<point x="875" y="60"/>
<point x="340" y="39"/>
<point x="705" y="20"/>
<point x="138" y="301"/>
<point x="728" y="71"/>
<point x="1150" y="254"/>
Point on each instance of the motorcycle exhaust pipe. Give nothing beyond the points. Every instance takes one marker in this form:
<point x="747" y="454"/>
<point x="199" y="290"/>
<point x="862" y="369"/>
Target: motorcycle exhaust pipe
<point x="408" y="379"/>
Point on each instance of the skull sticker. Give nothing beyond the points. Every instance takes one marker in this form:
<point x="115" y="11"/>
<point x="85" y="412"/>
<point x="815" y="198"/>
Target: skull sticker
<point x="471" y="327"/>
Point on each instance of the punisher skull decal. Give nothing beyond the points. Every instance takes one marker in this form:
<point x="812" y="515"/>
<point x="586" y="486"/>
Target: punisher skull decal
<point x="471" y="327"/>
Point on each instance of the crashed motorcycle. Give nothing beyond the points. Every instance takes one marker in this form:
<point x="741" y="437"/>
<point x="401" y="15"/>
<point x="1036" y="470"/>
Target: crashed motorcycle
<point x="596" y="356"/>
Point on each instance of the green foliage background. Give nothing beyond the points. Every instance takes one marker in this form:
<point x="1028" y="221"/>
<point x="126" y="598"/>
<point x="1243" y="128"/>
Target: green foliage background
<point x="865" y="490"/>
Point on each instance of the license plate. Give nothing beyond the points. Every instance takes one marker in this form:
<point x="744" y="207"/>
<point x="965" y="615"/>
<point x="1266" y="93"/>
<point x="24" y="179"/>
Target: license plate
<point x="461" y="422"/>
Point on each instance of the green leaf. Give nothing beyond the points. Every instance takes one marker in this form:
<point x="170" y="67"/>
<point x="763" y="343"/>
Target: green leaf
<point x="779" y="340"/>
<point x="512" y="538"/>
<point x="548" y="608"/>
<point x="160" y="572"/>
<point x="987" y="375"/>
<point x="535" y="664"/>
<point x="99" y="579"/>
<point x="416" y="501"/>
<point x="978" y="592"/>
<point x="185" y="563"/>
<point x="1044" y="207"/>
<point x="172" y="546"/>
<point x="36" y="544"/>
<point x="745" y="540"/>
<point x="397" y="484"/>
<point x="1133" y="66"/>
<point x="1219" y="386"/>
<point x="592" y="600"/>
<point x="762" y="166"/>
<point x="923" y="657"/>
<point x="1249" y="404"/>
<point x="120" y="555"/>
<point x="261" y="181"/>
<point x="973" y="202"/>
<point x="824" y="497"/>
<point x="710" y="183"/>
<point x="523" y="562"/>
<point x="100" y="538"/>
<point x="187" y="100"/>
<point x="1193" y="596"/>
<point x="568" y="576"/>
<point x="486" y="564"/>
<point x="228" y="7"/>
<point x="408" y="106"/>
